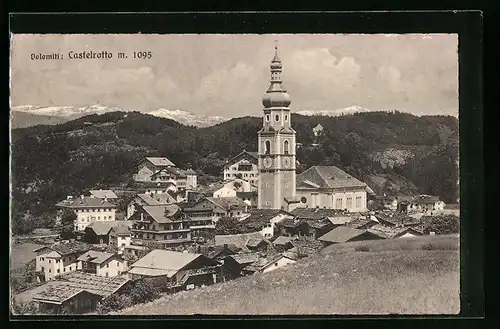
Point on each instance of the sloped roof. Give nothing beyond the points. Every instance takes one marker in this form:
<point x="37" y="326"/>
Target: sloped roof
<point x="156" y="199"/>
<point x="282" y="240"/>
<point x="260" y="217"/>
<point x="99" y="285"/>
<point x="359" y="222"/>
<point x="57" y="294"/>
<point x="426" y="199"/>
<point x="394" y="219"/>
<point x="160" y="161"/>
<point x="103" y="194"/>
<point x="327" y="177"/>
<point x="342" y="234"/>
<point x="254" y="242"/>
<point x="97" y="257"/>
<point x="239" y="240"/>
<point x="68" y="248"/>
<point x="391" y="232"/>
<point x="251" y="155"/>
<point x="264" y="262"/>
<point x="213" y="251"/>
<point x="103" y="227"/>
<point x="246" y="258"/>
<point x="317" y="213"/>
<point x="86" y="202"/>
<point x="166" y="260"/>
<point x="163" y="213"/>
<point x="229" y="203"/>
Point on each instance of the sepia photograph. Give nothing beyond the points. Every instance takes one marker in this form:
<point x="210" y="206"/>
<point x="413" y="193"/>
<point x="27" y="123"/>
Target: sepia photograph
<point x="234" y="174"/>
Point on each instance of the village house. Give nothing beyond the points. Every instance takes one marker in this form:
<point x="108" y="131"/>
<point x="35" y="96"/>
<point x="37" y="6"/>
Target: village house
<point x="98" y="232"/>
<point x="264" y="220"/>
<point x="65" y="293"/>
<point x="102" y="263"/>
<point x="304" y="228"/>
<point x="152" y="199"/>
<point x="218" y="252"/>
<point x="283" y="243"/>
<point x="120" y="237"/>
<point x="344" y="234"/>
<point x="166" y="225"/>
<point x="52" y="261"/>
<point x="234" y="264"/>
<point x="244" y="166"/>
<point x="331" y="188"/>
<point x="229" y="188"/>
<point x="173" y="271"/>
<point x="66" y="300"/>
<point x="223" y="207"/>
<point x="202" y="224"/>
<point x="426" y="203"/>
<point x="178" y="178"/>
<point x="149" y="166"/>
<point x="268" y="264"/>
<point x="88" y="210"/>
<point x="388" y="202"/>
<point x="103" y="194"/>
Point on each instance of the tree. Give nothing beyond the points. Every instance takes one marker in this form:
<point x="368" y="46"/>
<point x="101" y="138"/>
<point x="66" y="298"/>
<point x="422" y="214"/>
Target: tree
<point x="143" y="292"/>
<point x="229" y="225"/>
<point x="67" y="226"/>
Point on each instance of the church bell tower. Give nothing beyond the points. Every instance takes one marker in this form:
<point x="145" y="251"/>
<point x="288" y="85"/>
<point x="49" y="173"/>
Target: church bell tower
<point x="276" y="145"/>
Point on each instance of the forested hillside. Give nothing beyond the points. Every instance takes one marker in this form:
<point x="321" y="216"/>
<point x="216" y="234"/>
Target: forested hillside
<point x="50" y="162"/>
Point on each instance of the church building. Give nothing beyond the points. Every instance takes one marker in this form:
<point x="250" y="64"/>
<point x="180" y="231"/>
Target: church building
<point x="276" y="143"/>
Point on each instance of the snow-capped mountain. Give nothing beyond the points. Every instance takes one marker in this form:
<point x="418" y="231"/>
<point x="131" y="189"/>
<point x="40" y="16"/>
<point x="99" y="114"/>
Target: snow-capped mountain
<point x="188" y="118"/>
<point x="30" y="115"/>
<point x="65" y="111"/>
<point x="335" y="113"/>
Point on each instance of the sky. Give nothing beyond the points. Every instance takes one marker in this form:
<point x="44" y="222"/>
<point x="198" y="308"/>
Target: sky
<point x="227" y="75"/>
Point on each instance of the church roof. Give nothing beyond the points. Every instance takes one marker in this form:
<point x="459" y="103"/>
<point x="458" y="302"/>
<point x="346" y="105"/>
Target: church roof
<point x="327" y="177"/>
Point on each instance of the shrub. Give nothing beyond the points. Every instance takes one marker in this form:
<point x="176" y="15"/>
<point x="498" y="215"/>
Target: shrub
<point x="427" y="246"/>
<point x="114" y="303"/>
<point x="362" y="248"/>
<point x="24" y="308"/>
<point x="143" y="292"/>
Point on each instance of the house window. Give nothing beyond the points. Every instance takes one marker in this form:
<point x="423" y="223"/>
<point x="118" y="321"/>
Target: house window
<point x="349" y="203"/>
<point x="338" y="203"/>
<point x="107" y="274"/>
<point x="268" y="147"/>
<point x="107" y="265"/>
<point x="64" y="269"/>
<point x="50" y="261"/>
<point x="58" y="271"/>
<point x="50" y="271"/>
<point x="267" y="184"/>
<point x="70" y="268"/>
<point x="275" y="264"/>
<point x="358" y="202"/>
<point x="286" y="147"/>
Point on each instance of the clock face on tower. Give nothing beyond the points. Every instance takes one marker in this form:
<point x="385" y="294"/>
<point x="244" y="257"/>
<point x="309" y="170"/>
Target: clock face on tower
<point x="268" y="162"/>
<point x="286" y="162"/>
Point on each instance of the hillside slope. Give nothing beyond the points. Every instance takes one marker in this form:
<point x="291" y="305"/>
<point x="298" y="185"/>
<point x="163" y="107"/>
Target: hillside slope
<point x="400" y="280"/>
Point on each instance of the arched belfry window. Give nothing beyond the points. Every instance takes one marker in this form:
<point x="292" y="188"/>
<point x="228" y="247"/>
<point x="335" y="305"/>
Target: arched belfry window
<point x="286" y="147"/>
<point x="277" y="117"/>
<point x="268" y="147"/>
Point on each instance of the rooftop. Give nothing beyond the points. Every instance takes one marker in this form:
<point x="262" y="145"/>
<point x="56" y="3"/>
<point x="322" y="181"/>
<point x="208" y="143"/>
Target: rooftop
<point x="360" y="222"/>
<point x="163" y="213"/>
<point x="86" y="202"/>
<point x="57" y="294"/>
<point x="342" y="234"/>
<point x="96" y="257"/>
<point x="327" y="177"/>
<point x="246" y="258"/>
<point x="103" y="227"/>
<point x="238" y="240"/>
<point x="160" y="161"/>
<point x="282" y="240"/>
<point x="230" y="203"/>
<point x="244" y="153"/>
<point x="156" y="199"/>
<point x="317" y="213"/>
<point x="99" y="285"/>
<point x="103" y="194"/>
<point x="258" y="218"/>
<point x="389" y="232"/>
<point x="426" y="199"/>
<point x="165" y="260"/>
<point x="67" y="247"/>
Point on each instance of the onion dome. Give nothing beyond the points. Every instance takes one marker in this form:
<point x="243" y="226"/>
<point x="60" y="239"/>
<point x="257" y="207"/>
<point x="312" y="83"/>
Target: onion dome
<point x="275" y="95"/>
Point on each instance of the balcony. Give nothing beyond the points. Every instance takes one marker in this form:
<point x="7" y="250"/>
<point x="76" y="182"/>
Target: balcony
<point x="155" y="231"/>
